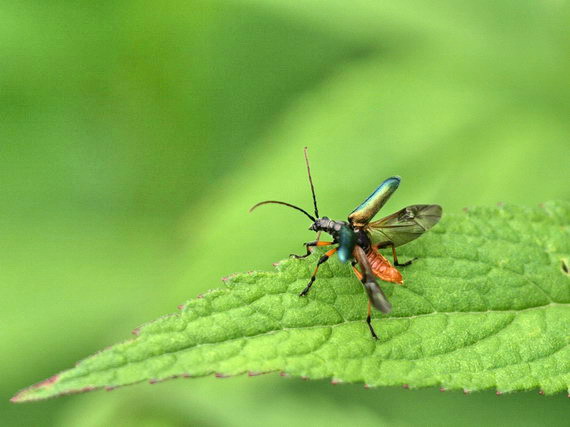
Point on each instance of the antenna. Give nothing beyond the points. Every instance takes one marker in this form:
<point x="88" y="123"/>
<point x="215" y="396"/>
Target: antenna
<point x="311" y="182"/>
<point x="282" y="203"/>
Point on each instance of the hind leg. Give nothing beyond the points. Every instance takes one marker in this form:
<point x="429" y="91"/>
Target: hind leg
<point x="368" y="317"/>
<point x="395" y="257"/>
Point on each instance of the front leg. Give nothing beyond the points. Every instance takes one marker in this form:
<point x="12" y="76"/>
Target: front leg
<point x="322" y="260"/>
<point x="309" y="245"/>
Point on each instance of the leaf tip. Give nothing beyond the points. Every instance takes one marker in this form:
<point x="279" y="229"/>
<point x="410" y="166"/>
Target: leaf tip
<point x="27" y="394"/>
<point x="17" y="398"/>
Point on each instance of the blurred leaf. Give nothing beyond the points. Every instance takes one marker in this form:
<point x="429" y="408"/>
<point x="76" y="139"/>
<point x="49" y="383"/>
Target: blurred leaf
<point x="487" y="306"/>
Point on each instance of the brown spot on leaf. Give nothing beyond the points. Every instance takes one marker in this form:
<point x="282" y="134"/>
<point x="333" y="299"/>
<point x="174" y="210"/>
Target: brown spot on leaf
<point x="48" y="382"/>
<point x="220" y="375"/>
<point x="255" y="373"/>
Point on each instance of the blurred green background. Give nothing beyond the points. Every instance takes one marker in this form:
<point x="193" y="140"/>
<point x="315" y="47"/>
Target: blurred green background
<point x="135" y="135"/>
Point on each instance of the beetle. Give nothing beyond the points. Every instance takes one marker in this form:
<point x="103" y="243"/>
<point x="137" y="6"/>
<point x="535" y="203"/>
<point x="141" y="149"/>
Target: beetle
<point x="358" y="240"/>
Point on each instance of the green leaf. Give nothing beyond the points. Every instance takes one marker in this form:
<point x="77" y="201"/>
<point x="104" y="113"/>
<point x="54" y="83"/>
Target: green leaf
<point x="486" y="305"/>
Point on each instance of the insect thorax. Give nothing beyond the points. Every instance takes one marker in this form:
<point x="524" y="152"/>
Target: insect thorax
<point x="329" y="226"/>
<point x="362" y="238"/>
<point x="334" y="228"/>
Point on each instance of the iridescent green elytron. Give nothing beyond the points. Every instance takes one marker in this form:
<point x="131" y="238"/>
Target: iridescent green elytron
<point x="370" y="207"/>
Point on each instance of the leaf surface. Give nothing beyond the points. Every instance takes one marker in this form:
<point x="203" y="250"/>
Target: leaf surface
<point x="485" y="306"/>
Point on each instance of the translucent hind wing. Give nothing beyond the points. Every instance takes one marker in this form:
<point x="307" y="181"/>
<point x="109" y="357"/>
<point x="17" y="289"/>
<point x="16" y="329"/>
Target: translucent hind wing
<point x="403" y="226"/>
<point x="370" y="207"/>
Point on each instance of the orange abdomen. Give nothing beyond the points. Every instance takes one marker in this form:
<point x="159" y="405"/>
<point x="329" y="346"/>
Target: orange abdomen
<point x="382" y="268"/>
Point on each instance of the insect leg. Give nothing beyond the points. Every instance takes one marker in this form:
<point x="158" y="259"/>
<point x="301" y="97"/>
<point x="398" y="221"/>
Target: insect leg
<point x="368" y="321"/>
<point x="309" y="245"/>
<point x="323" y="259"/>
<point x="395" y="257"/>
<point x="356" y="272"/>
